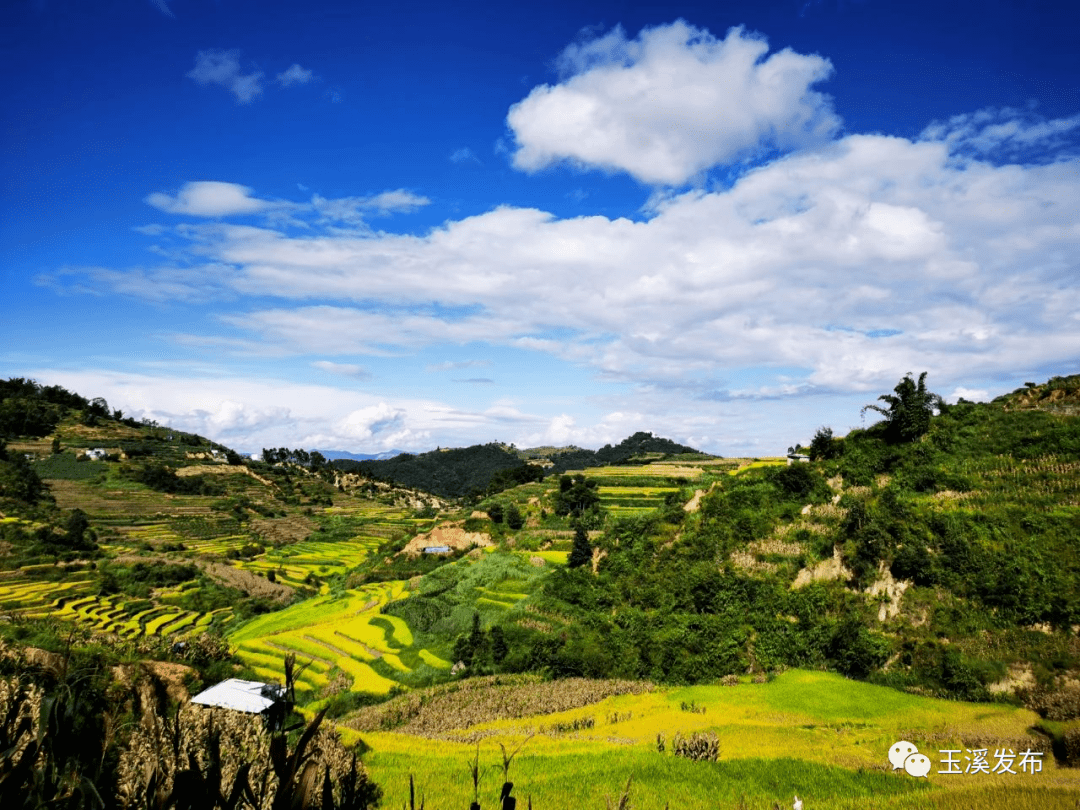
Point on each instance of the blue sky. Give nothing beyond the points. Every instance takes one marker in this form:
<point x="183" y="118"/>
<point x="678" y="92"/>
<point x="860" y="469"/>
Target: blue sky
<point x="367" y="226"/>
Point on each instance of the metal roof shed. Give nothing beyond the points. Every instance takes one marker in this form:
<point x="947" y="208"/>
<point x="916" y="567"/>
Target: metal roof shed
<point x="242" y="696"/>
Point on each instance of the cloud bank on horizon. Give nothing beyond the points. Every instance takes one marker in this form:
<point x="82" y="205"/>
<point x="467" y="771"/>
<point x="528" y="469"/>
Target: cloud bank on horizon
<point x="777" y="260"/>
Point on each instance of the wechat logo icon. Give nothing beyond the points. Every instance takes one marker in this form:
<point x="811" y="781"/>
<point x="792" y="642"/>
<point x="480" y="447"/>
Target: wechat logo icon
<point x="905" y="755"/>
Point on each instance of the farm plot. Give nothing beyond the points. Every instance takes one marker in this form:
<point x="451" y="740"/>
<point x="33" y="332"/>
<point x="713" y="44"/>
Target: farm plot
<point x="817" y="735"/>
<point x="344" y="632"/>
<point x="36" y="595"/>
<point x="64" y="466"/>
<point x="123" y="502"/>
<point x="636" y="500"/>
<point x="657" y="472"/>
<point x="293" y="564"/>
<point x="112" y="615"/>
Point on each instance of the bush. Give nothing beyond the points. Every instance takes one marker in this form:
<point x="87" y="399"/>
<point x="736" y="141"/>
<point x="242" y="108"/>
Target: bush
<point x="797" y="481"/>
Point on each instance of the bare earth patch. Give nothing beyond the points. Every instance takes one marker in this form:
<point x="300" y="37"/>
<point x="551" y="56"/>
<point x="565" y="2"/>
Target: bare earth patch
<point x="1021" y="676"/>
<point x="695" y="503"/>
<point x="452" y="537"/>
<point x="171" y="674"/>
<point x="892" y="588"/>
<point x="221" y="468"/>
<point x="832" y="568"/>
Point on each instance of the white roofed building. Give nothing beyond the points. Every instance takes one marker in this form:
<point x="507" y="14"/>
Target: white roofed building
<point x="252" y="697"/>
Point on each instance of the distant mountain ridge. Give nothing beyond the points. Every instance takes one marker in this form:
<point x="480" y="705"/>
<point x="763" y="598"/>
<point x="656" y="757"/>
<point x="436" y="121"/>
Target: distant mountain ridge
<point x="334" y="455"/>
<point x="458" y="472"/>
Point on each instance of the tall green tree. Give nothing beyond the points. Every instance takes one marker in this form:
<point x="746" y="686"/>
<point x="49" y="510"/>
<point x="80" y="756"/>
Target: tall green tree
<point x="909" y="410"/>
<point x="581" y="552"/>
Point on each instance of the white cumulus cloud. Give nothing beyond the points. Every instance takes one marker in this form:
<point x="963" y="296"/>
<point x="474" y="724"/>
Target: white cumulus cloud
<point x="826" y="273"/>
<point x="671" y="104"/>
<point x="209" y="198"/>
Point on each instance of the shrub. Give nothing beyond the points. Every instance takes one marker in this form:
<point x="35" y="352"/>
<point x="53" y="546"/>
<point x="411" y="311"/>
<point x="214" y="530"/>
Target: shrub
<point x="514" y="519"/>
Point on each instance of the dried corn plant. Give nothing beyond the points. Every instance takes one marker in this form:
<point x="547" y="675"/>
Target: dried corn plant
<point x="697" y="747"/>
<point x="240" y="759"/>
<point x="438" y="711"/>
<point x="20" y="717"/>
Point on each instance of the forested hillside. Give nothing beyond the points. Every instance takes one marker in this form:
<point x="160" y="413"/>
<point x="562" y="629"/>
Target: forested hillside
<point x="472" y="471"/>
<point x="941" y="558"/>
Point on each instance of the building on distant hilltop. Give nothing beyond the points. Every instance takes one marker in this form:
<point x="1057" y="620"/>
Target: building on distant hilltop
<point x="794" y="458"/>
<point x="437" y="550"/>
<point x="96" y="453"/>
<point x="251" y="697"/>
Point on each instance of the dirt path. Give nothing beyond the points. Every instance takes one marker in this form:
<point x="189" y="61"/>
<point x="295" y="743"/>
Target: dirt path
<point x="695" y="503"/>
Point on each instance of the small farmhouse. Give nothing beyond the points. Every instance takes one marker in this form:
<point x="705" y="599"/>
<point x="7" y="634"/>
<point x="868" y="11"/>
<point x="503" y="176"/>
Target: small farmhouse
<point x="437" y="549"/>
<point x="96" y="453"/>
<point x="797" y="458"/>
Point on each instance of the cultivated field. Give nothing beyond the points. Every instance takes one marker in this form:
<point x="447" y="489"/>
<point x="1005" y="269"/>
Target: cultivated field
<point x="813" y="734"/>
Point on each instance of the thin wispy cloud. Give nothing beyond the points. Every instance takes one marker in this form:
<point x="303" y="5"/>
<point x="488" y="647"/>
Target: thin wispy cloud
<point x="343" y="369"/>
<point x="295" y="75"/>
<point x="223" y="69"/>
<point x="451" y="365"/>
<point x="464" y="155"/>
<point x="214" y="198"/>
<point x="1005" y="133"/>
<point x="163" y="7"/>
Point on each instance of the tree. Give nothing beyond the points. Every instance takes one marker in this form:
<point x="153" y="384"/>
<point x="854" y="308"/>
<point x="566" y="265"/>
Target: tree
<point x="495" y="512"/>
<point x="77" y="526"/>
<point x="824" y="445"/>
<point x="514" y="519"/>
<point x="499" y="648"/>
<point x="576" y="495"/>
<point x="909" y="410"/>
<point x="581" y="553"/>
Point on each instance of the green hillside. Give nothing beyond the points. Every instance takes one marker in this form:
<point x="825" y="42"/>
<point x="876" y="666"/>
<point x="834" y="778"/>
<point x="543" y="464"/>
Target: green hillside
<point x="929" y="559"/>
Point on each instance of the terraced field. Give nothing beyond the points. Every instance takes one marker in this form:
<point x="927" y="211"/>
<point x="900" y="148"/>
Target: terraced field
<point x="344" y="633"/>
<point x="113" y="614"/>
<point x="292" y="564"/>
<point x="109" y="504"/>
<point x="635" y="500"/>
<point x="31" y="595"/>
